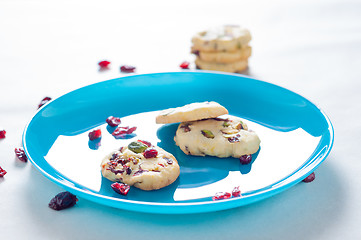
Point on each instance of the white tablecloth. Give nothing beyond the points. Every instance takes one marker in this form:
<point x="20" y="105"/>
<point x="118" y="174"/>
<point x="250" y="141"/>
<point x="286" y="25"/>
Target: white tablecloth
<point x="48" y="48"/>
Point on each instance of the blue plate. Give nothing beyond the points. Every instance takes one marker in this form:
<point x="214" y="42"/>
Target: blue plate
<point x="296" y="137"/>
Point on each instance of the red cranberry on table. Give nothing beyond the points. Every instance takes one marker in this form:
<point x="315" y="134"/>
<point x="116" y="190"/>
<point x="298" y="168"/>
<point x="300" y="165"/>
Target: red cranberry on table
<point x="184" y="65"/>
<point x="309" y="178"/>
<point x="221" y="195"/>
<point x="113" y="121"/>
<point x="20" y="154"/>
<point x="2" y="172"/>
<point x="120" y="188"/>
<point x="127" y="69"/>
<point x="45" y="100"/>
<point x="97" y="133"/>
<point x="62" y="201"/>
<point x="2" y="134"/>
<point x="104" y="64"/>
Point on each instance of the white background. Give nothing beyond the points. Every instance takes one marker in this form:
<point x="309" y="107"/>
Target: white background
<point x="48" y="48"/>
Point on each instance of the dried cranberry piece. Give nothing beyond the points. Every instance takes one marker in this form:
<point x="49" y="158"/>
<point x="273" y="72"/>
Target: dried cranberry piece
<point x="2" y="172"/>
<point x="145" y="142"/>
<point x="103" y="64"/>
<point x="121" y="161"/>
<point x="234" y="138"/>
<point x="195" y="52"/>
<point x="186" y="127"/>
<point x="118" y="171"/>
<point x="113" y="163"/>
<point x="150" y="153"/>
<point x="169" y="161"/>
<point x="45" y="100"/>
<point x="245" y="159"/>
<point x="97" y="133"/>
<point x="309" y="178"/>
<point x="221" y="195"/>
<point x="184" y="65"/>
<point x="2" y="134"/>
<point x="113" y="121"/>
<point x="236" y="192"/>
<point x="63" y="200"/>
<point x="121" y="131"/>
<point x="131" y="130"/>
<point x="114" y="156"/>
<point x="140" y="171"/>
<point x="128" y="170"/>
<point x="20" y="154"/>
<point x="127" y="69"/>
<point x="120" y="188"/>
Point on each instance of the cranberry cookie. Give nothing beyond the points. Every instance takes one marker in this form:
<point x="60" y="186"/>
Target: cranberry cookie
<point x="141" y="165"/>
<point x="221" y="137"/>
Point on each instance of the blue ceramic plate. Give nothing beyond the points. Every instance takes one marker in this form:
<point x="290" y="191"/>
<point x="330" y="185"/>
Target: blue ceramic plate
<point x="296" y="137"/>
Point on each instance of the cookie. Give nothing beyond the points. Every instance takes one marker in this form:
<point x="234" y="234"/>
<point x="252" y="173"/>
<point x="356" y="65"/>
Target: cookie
<point x="227" y="38"/>
<point x="191" y="112"/>
<point x="141" y="165"/>
<point x="221" y="137"/>
<point x="224" y="57"/>
<point x="233" y="67"/>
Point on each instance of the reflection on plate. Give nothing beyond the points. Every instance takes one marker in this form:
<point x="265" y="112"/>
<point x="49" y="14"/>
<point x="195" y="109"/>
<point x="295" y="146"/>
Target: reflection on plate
<point x="296" y="137"/>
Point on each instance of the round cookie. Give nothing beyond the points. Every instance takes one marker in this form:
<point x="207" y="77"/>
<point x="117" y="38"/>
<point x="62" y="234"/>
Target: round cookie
<point x="130" y="166"/>
<point x="227" y="38"/>
<point x="233" y="67"/>
<point x="224" y="57"/>
<point x="191" y="112"/>
<point x="220" y="137"/>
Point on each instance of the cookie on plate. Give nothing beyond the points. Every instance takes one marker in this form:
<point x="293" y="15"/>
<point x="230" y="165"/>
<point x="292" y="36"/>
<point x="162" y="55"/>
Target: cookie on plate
<point x="191" y="112"/>
<point x="227" y="38"/>
<point x="233" y="67"/>
<point x="224" y="57"/>
<point x="221" y="137"/>
<point x="141" y="165"/>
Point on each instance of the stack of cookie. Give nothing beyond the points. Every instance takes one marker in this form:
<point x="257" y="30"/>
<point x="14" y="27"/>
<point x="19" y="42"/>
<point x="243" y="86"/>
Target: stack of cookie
<point x="222" y="49"/>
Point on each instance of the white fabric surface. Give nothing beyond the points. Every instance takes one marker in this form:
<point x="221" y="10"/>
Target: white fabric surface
<point x="48" y="48"/>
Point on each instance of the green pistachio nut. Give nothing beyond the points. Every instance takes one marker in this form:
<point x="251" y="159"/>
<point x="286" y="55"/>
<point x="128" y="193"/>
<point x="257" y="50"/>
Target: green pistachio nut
<point x="137" y="147"/>
<point x="226" y="124"/>
<point x="207" y="133"/>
